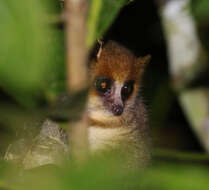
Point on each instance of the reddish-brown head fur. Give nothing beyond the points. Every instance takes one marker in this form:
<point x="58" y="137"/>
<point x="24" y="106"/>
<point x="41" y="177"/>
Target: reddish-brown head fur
<point x="116" y="77"/>
<point x="118" y="63"/>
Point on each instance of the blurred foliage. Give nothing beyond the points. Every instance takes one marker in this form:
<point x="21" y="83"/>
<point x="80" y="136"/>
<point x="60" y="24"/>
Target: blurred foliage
<point x="99" y="173"/>
<point x="201" y="9"/>
<point x="29" y="50"/>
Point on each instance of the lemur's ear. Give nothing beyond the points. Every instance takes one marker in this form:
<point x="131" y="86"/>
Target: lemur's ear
<point x="100" y="49"/>
<point x="95" y="54"/>
<point x="143" y="61"/>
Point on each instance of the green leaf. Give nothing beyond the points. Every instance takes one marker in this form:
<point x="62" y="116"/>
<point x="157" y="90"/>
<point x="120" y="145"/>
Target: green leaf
<point x="101" y="16"/>
<point x="25" y="51"/>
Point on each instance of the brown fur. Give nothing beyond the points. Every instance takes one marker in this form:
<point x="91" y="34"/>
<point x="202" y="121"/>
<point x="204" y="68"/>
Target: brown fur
<point x="115" y="61"/>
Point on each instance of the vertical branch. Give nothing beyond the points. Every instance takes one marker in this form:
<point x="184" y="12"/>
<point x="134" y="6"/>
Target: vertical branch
<point x="76" y="16"/>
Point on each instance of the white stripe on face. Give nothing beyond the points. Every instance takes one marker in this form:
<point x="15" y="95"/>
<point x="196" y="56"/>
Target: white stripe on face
<point x="117" y="93"/>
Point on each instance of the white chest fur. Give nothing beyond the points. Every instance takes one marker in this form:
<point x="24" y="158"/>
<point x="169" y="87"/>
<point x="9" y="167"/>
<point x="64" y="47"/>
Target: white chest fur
<point x="134" y="148"/>
<point x="102" y="138"/>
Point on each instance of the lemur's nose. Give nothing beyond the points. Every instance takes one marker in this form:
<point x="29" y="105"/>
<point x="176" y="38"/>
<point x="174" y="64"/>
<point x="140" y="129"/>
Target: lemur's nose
<point x="117" y="110"/>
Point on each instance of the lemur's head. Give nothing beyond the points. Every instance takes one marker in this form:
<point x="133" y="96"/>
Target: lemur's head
<point x="116" y="77"/>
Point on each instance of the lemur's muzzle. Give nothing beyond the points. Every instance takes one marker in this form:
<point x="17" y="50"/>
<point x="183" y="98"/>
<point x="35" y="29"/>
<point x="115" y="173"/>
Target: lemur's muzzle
<point x="117" y="110"/>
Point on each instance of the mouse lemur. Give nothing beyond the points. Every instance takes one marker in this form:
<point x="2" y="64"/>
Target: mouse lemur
<point x="116" y="113"/>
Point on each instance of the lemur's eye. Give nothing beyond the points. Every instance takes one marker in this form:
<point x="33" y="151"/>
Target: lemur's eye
<point x="127" y="90"/>
<point x="102" y="84"/>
